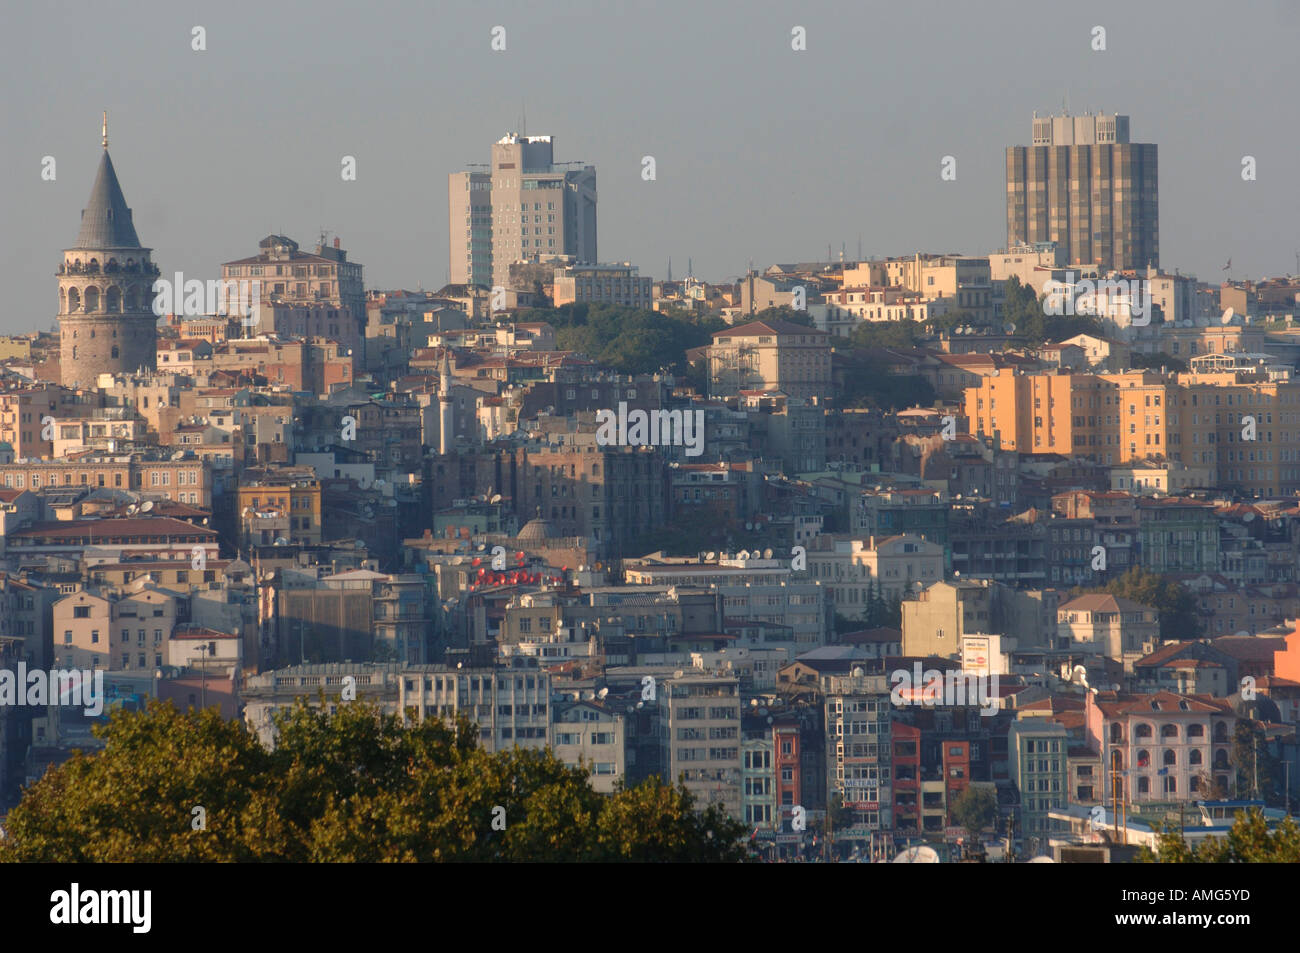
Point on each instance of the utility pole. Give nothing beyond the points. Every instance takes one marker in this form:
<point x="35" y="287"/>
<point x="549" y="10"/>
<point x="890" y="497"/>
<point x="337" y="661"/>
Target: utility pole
<point x="203" y="678"/>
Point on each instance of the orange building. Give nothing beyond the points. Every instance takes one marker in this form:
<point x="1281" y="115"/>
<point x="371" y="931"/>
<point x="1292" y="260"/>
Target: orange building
<point x="1242" y="425"/>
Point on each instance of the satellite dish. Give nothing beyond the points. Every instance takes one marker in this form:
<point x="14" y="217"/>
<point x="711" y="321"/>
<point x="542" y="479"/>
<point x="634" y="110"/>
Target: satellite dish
<point x="496" y="498"/>
<point x="749" y="526"/>
<point x="1042" y="860"/>
<point x="917" y="855"/>
<point x="857" y="671"/>
<point x="146" y="506"/>
<point x="132" y="509"/>
<point x="767" y="554"/>
<point x="1010" y="327"/>
<point x="710" y="556"/>
<point x="602" y="693"/>
<point x="1248" y="517"/>
<point x="639" y="705"/>
<point x="743" y="554"/>
<point x="457" y="560"/>
<point x="1227" y="316"/>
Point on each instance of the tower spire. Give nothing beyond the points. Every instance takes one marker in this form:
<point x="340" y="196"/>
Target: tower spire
<point x="105" y="128"/>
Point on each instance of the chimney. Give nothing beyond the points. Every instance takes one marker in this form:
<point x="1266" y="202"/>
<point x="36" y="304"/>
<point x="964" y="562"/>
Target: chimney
<point x="336" y="241"/>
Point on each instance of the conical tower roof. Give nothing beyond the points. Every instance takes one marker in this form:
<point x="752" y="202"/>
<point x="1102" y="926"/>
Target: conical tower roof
<point x="106" y="219"/>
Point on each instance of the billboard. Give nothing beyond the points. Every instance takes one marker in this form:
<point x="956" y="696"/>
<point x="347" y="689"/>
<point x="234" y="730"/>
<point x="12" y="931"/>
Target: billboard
<point x="975" y="655"/>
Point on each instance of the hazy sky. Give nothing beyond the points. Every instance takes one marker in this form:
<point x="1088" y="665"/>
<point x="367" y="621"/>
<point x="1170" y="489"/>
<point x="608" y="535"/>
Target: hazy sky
<point x="762" y="152"/>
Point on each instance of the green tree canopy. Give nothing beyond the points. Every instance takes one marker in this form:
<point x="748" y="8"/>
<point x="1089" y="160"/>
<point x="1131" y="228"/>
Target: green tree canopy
<point x="629" y="340"/>
<point x="976" y="809"/>
<point x="1179" y="618"/>
<point x="355" y="785"/>
<point x="1248" y="842"/>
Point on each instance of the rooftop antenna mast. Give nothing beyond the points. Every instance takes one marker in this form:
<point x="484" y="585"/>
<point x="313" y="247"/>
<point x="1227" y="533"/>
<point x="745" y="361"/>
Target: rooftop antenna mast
<point x="105" y="128"/>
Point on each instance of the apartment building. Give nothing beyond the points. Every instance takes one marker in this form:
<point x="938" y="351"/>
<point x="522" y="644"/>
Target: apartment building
<point x="144" y="536"/>
<point x="308" y="281"/>
<point x="23" y="412"/>
<point x="761" y="809"/>
<point x="511" y="706"/>
<point x="772" y="356"/>
<point x="859" y="753"/>
<point x="854" y="571"/>
<point x="591" y="735"/>
<point x="752" y="589"/>
<point x="117" y="631"/>
<point x="279" y="503"/>
<point x="1037" y="755"/>
<point x="1242" y="424"/>
<point x="956" y="282"/>
<point x="616" y="283"/>
<point x="150" y="473"/>
<point x="1161" y="747"/>
<point x="1109" y="626"/>
<point x="700" y="731"/>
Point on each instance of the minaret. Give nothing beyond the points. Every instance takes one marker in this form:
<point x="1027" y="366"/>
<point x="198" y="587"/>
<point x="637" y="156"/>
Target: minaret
<point x="106" y="319"/>
<point x="446" y="431"/>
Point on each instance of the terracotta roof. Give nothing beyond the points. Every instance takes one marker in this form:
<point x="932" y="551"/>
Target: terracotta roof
<point x="754" y="328"/>
<point x="1103" y="602"/>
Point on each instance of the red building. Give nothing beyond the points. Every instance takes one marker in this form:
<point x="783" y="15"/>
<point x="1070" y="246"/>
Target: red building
<point x="906" y="766"/>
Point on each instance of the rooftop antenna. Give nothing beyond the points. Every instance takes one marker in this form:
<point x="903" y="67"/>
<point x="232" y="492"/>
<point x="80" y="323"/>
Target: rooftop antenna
<point x="105" y="128"/>
<point x="670" y="268"/>
<point x="523" y="120"/>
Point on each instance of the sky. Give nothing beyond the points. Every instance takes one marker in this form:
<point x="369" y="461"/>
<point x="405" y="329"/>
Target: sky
<point x="762" y="152"/>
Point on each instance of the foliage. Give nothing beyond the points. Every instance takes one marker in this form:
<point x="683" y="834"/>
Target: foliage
<point x="784" y="313"/>
<point x="629" y="340"/>
<point x="1023" y="309"/>
<point x="905" y="333"/>
<point x="976" y="809"/>
<point x="355" y="785"/>
<point x="1248" y="842"/>
<point x="1156" y="361"/>
<point x="868" y="383"/>
<point x="1179" y="619"/>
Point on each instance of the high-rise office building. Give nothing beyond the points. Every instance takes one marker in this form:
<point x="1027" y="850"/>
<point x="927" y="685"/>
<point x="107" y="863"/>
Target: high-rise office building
<point x="1085" y="186"/>
<point x="526" y="206"/>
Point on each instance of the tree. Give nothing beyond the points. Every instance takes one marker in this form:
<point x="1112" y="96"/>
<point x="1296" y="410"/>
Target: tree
<point x="1248" y="842"/>
<point x="784" y="313"/>
<point x="976" y="809"/>
<point x="1156" y="361"/>
<point x="905" y="333"/>
<point x="353" y="785"/>
<point x="1179" y="618"/>
<point x="629" y="340"/>
<point x="867" y="382"/>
